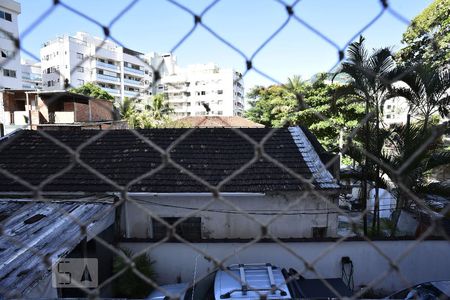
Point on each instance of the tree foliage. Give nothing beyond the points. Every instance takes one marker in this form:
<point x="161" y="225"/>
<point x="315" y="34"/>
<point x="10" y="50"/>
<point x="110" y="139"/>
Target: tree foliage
<point x="129" y="284"/>
<point x="426" y="91"/>
<point x="427" y="39"/>
<point x="155" y="115"/>
<point x="311" y="104"/>
<point x="92" y="90"/>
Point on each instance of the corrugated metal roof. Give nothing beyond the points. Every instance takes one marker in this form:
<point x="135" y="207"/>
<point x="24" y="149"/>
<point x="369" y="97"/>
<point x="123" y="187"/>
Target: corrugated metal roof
<point x="35" y="234"/>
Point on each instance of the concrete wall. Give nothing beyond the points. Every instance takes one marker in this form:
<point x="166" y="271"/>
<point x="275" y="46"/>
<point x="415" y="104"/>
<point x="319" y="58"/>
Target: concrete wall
<point x="221" y="221"/>
<point x="426" y="261"/>
<point x="64" y="117"/>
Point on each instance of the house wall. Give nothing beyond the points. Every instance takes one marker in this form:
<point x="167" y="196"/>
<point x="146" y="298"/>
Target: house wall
<point x="425" y="261"/>
<point x="81" y="112"/>
<point x="221" y="221"/>
<point x="101" y="110"/>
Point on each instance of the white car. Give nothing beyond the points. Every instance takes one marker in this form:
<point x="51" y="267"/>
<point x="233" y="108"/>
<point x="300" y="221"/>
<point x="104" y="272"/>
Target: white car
<point x="242" y="281"/>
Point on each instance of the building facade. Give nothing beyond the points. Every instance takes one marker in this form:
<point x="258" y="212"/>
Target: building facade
<point x="204" y="90"/>
<point x="10" y="70"/>
<point x="76" y="60"/>
<point x="31" y="75"/>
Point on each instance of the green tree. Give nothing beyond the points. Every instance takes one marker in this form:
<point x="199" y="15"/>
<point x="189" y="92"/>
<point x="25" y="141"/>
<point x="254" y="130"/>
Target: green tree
<point x="369" y="81"/>
<point x="155" y="115"/>
<point x="92" y="90"/>
<point x="426" y="91"/>
<point x="428" y="36"/>
<point x="159" y="108"/>
<point x="311" y="104"/>
<point x="128" y="284"/>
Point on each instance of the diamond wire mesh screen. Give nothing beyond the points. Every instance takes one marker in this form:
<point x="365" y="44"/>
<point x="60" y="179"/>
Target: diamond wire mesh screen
<point x="185" y="230"/>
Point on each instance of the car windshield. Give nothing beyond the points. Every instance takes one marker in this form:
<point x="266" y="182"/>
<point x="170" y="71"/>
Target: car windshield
<point x="203" y="289"/>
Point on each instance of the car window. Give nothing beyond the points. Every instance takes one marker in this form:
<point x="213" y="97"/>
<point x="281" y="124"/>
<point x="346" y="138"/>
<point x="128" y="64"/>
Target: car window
<point x="203" y="289"/>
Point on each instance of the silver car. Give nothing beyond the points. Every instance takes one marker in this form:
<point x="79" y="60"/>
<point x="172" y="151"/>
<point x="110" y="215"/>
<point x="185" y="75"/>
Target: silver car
<point x="242" y="281"/>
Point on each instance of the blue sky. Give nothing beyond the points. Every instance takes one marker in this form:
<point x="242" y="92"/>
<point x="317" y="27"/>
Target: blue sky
<point x="158" y="25"/>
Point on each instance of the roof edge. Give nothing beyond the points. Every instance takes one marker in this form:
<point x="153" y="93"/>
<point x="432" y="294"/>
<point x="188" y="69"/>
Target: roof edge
<point x="318" y="170"/>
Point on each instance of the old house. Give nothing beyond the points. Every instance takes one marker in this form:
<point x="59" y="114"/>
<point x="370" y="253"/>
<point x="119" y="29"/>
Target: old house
<point x="286" y="184"/>
<point x="33" y="108"/>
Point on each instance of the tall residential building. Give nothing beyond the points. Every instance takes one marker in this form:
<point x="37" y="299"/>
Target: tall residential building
<point x="10" y="70"/>
<point x="83" y="58"/>
<point x="31" y="75"/>
<point x="204" y="90"/>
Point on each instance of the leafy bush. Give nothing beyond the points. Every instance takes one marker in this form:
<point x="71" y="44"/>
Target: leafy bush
<point x="129" y="284"/>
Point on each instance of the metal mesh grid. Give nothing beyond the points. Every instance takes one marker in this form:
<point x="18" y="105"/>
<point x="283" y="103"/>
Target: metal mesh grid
<point x="217" y="197"/>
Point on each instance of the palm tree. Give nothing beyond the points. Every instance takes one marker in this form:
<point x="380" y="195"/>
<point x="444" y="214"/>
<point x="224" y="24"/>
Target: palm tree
<point x="127" y="109"/>
<point x="427" y="91"/>
<point x="160" y="108"/>
<point x="407" y="166"/>
<point x="369" y="81"/>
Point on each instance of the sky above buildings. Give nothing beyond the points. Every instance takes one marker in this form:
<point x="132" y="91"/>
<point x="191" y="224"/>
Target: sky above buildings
<point x="160" y="25"/>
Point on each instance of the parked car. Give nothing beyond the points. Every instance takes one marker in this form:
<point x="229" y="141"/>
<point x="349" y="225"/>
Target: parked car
<point x="249" y="281"/>
<point x="427" y="290"/>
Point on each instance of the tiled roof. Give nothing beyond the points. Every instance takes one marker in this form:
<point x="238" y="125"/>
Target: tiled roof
<point x="34" y="233"/>
<point x="218" y="121"/>
<point x="212" y="154"/>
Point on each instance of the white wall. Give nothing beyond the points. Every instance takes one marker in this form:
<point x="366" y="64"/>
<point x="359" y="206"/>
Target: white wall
<point x="221" y="221"/>
<point x="7" y="44"/>
<point x="429" y="260"/>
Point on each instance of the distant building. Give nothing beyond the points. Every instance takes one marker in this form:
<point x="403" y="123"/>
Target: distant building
<point x="10" y="72"/>
<point x="395" y="111"/>
<point x="31" y="108"/>
<point x="200" y="90"/>
<point x="83" y="58"/>
<point x="31" y="75"/>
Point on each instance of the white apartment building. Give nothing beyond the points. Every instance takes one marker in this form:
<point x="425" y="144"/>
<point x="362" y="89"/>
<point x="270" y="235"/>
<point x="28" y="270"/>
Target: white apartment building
<point x="189" y="90"/>
<point x="84" y="58"/>
<point x="10" y="69"/>
<point x="31" y="75"/>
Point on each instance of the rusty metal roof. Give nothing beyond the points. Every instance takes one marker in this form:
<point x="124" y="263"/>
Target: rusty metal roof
<point x="35" y="234"/>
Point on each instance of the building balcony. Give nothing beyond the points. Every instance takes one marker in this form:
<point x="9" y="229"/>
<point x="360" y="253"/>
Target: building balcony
<point x="107" y="66"/>
<point x="131" y="94"/>
<point x="133" y="71"/>
<point x="113" y="92"/>
<point x="132" y="82"/>
<point x="101" y="77"/>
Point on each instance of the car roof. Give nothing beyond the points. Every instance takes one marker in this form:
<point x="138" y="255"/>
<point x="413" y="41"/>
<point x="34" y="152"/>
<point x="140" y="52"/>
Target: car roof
<point x="249" y="281"/>
<point x="443" y="286"/>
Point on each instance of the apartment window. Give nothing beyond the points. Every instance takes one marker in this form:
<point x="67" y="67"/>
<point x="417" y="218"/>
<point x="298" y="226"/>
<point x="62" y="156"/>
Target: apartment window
<point x="203" y="93"/>
<point x="79" y="55"/>
<point x="189" y="229"/>
<point x="388" y="116"/>
<point x="80" y="70"/>
<point x="50" y="83"/>
<point x="9" y="73"/>
<point x="220" y="92"/>
<point x="6" y="16"/>
<point x="80" y="81"/>
<point x="220" y="112"/>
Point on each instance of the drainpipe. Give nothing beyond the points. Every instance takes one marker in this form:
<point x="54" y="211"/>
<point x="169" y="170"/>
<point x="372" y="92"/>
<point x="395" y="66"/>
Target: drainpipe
<point x="2" y="130"/>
